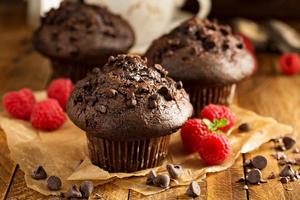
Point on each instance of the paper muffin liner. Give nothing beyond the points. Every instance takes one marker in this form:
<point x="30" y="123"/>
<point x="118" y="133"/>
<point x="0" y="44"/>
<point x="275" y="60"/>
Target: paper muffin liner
<point x="74" y="71"/>
<point x="127" y="156"/>
<point x="201" y="96"/>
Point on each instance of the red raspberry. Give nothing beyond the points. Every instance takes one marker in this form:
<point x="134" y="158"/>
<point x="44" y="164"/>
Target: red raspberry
<point x="19" y="104"/>
<point x="289" y="63"/>
<point x="47" y="115"/>
<point x="60" y="89"/>
<point x="218" y="112"/>
<point x="214" y="149"/>
<point x="191" y="133"/>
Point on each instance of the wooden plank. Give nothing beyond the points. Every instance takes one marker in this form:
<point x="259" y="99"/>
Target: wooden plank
<point x="223" y="185"/>
<point x="7" y="166"/>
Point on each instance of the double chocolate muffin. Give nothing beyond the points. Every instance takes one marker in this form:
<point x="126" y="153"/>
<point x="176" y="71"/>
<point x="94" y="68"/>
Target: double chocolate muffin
<point x="206" y="57"/>
<point x="78" y="37"/>
<point x="128" y="110"/>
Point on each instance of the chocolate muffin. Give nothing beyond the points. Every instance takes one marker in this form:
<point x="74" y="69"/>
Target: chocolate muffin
<point x="78" y="37"/>
<point x="128" y="110"/>
<point x="206" y="57"/>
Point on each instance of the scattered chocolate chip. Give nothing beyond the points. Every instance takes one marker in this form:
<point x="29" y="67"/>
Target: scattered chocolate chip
<point x="162" y="180"/>
<point x="288" y="142"/>
<point x="244" y="127"/>
<point x="150" y="177"/>
<point x="179" y="85"/>
<point x="287" y="171"/>
<point x="259" y="162"/>
<point x="73" y="192"/>
<point x="296" y="150"/>
<point x="225" y="46"/>
<point x="284" y="180"/>
<point x="165" y="92"/>
<point x="279" y="156"/>
<point x="272" y="176"/>
<point x="254" y="176"/>
<point x="193" y="190"/>
<point x="39" y="173"/>
<point x="131" y="103"/>
<point x="86" y="188"/>
<point x="175" y="171"/>
<point x="54" y="183"/>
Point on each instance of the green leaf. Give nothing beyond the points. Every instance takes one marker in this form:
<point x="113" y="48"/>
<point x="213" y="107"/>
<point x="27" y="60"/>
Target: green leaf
<point x="216" y="124"/>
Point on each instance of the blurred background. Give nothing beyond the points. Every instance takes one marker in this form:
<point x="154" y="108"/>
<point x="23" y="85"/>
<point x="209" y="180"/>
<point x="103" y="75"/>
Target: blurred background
<point x="269" y="28"/>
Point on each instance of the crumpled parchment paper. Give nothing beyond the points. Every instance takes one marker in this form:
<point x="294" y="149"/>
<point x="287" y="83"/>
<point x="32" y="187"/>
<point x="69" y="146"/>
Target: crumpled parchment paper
<point x="64" y="153"/>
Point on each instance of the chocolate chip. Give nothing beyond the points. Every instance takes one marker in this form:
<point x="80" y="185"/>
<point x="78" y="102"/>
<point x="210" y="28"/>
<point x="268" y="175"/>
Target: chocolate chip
<point x="73" y="192"/>
<point x="208" y="45"/>
<point x="54" y="183"/>
<point x="287" y="171"/>
<point x="179" y="85"/>
<point x="288" y="142"/>
<point x="152" y="104"/>
<point x="272" y="176"/>
<point x="225" y="46"/>
<point x="164" y="91"/>
<point x="254" y="176"/>
<point x="194" y="189"/>
<point x="39" y="173"/>
<point x="150" y="178"/>
<point x="174" y="171"/>
<point x="284" y="180"/>
<point x="162" y="180"/>
<point x="244" y="127"/>
<point x="131" y="103"/>
<point x="240" y="45"/>
<point x="86" y="188"/>
<point x="259" y="162"/>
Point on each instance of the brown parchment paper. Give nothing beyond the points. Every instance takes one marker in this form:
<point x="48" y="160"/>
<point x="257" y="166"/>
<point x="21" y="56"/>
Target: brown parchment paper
<point x="61" y="151"/>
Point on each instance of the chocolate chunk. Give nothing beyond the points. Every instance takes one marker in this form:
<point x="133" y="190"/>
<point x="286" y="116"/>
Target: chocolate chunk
<point x="175" y="171"/>
<point x="272" y="176"/>
<point x="150" y="178"/>
<point x="259" y="162"/>
<point x="240" y="45"/>
<point x="287" y="171"/>
<point x="73" y="192"/>
<point x="86" y="188"/>
<point x="194" y="189"/>
<point x="152" y="104"/>
<point x="179" y="85"/>
<point x="244" y="127"/>
<point x="165" y="92"/>
<point x="288" y="142"/>
<point x="39" y="173"/>
<point x="208" y="45"/>
<point x="254" y="176"/>
<point x="131" y="103"/>
<point x="54" y="183"/>
<point x="284" y="180"/>
<point x="162" y="180"/>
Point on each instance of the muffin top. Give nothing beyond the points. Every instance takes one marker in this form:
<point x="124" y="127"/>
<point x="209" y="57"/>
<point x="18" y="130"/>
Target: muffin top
<point x="202" y="52"/>
<point x="77" y="31"/>
<point x="128" y="100"/>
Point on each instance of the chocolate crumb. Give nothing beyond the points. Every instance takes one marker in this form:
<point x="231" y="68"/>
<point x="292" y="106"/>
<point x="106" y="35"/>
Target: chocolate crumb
<point x="284" y="180"/>
<point x="272" y="176"/>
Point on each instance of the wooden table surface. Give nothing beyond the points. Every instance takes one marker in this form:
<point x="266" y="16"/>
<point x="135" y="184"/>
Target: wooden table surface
<point x="267" y="93"/>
